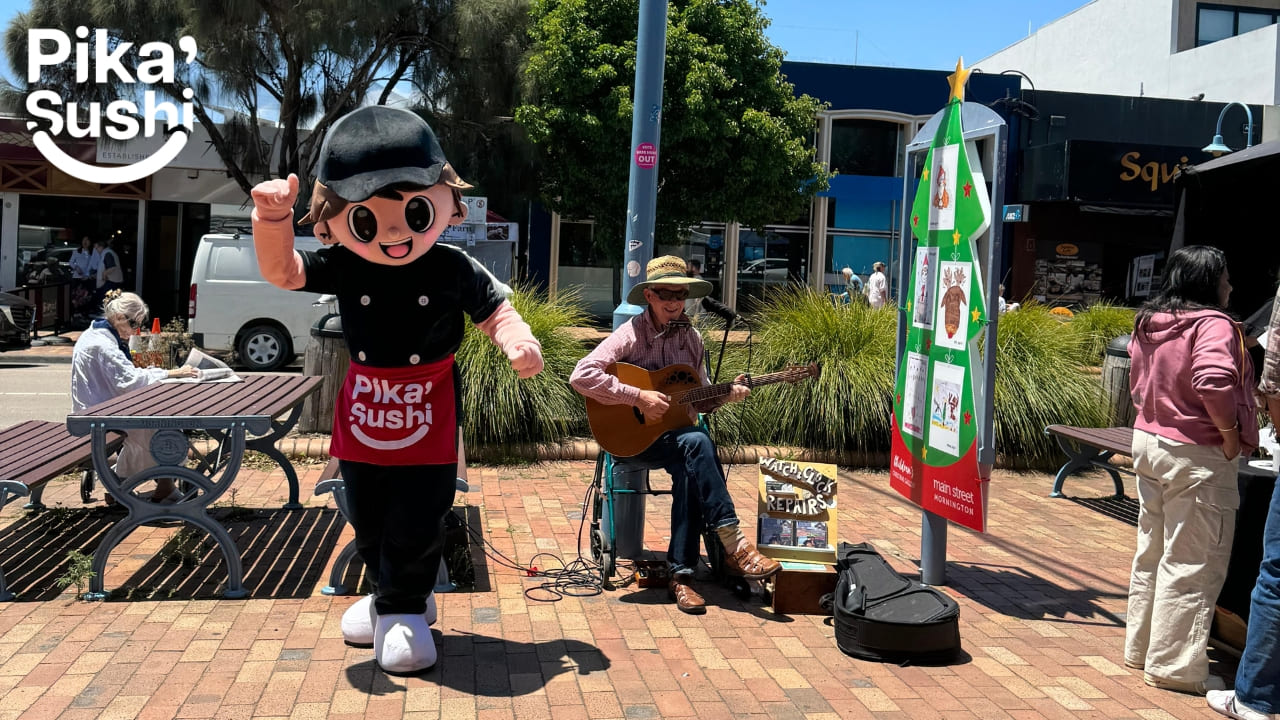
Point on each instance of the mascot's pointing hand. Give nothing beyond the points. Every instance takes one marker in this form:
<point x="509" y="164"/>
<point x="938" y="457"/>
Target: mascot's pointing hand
<point x="526" y="359"/>
<point x="274" y="199"/>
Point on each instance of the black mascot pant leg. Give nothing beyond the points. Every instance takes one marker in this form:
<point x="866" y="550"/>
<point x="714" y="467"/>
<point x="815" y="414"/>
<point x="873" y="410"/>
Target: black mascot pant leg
<point x="398" y="513"/>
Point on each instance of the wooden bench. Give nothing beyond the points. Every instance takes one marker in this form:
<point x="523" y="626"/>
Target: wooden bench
<point x="331" y="482"/>
<point x="34" y="452"/>
<point x="1091" y="447"/>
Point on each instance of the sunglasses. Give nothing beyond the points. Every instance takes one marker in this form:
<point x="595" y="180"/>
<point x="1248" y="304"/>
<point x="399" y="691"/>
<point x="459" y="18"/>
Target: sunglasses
<point x="666" y="295"/>
<point x="135" y="323"/>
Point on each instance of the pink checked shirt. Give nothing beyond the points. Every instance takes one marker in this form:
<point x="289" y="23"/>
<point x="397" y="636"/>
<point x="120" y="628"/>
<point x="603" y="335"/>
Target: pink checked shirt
<point x="637" y="342"/>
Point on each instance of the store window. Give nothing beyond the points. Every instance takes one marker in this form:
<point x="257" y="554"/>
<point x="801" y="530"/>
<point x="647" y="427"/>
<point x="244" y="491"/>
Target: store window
<point x="863" y="146"/>
<point x="1219" y="22"/>
<point x="770" y="262"/>
<point x="53" y="225"/>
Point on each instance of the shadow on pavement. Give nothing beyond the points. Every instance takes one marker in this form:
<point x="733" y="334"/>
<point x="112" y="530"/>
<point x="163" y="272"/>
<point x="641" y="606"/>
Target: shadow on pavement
<point x="490" y="667"/>
<point x="1124" y="509"/>
<point x="34" y="547"/>
<point x="1015" y="592"/>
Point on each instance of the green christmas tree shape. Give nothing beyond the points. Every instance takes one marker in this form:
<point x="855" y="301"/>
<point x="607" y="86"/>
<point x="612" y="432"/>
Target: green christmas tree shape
<point x="946" y="309"/>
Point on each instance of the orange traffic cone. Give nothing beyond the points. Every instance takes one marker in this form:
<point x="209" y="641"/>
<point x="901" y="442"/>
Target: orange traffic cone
<point x="155" y="326"/>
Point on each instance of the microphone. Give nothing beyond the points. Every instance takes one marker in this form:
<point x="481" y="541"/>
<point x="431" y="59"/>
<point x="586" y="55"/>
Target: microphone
<point x="719" y="309"/>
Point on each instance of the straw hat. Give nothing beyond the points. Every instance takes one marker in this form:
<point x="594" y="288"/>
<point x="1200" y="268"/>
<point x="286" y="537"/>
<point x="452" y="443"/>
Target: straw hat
<point x="668" y="270"/>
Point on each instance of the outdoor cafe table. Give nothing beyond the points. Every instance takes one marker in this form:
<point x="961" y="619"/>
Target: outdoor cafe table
<point x="238" y="416"/>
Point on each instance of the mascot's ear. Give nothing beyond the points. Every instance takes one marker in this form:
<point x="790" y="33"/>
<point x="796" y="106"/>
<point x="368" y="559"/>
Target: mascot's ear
<point x="323" y="234"/>
<point x="460" y="215"/>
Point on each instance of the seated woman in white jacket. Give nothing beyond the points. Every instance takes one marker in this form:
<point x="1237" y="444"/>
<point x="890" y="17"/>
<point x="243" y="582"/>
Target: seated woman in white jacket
<point x="101" y="369"/>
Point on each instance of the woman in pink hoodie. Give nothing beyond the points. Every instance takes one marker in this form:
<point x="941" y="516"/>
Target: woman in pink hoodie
<point x="1191" y="381"/>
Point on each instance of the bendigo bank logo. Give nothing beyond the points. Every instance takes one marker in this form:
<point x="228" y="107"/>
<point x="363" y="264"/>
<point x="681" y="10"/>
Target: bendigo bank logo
<point x="389" y="416"/>
<point x="119" y="119"/>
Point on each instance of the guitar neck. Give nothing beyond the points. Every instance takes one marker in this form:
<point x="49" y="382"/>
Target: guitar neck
<point x="719" y="389"/>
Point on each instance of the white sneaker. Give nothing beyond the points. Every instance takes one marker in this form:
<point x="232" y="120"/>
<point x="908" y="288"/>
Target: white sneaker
<point x="402" y="644"/>
<point x="1224" y="701"/>
<point x="359" y="620"/>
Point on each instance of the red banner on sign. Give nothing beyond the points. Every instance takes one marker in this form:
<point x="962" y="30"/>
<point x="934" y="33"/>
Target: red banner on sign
<point x="955" y="492"/>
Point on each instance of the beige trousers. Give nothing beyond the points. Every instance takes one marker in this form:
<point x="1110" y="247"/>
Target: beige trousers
<point x="1188" y="495"/>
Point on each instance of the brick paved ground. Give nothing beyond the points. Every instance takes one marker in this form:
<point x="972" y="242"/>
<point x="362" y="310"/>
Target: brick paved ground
<point x="1041" y="595"/>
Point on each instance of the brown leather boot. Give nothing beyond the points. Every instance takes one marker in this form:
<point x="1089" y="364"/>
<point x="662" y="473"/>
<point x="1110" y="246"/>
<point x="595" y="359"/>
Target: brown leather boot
<point x="750" y="564"/>
<point x="686" y="598"/>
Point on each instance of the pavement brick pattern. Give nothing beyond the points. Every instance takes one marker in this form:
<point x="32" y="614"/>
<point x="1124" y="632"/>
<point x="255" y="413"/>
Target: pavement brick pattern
<point x="1042" y="600"/>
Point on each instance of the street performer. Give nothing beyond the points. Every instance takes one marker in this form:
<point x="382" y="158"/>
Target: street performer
<point x="384" y="192"/>
<point x="660" y="336"/>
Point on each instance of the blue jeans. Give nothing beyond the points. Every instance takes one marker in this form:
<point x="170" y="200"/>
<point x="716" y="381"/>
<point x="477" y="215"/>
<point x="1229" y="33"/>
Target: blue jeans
<point x="1258" y="676"/>
<point x="699" y="496"/>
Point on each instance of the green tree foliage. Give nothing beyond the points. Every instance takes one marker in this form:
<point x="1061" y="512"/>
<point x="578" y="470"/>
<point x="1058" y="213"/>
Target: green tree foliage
<point x="735" y="143"/>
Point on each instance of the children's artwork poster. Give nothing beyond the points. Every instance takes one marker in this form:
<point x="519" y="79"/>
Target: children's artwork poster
<point x="953" y="304"/>
<point x="942" y="194"/>
<point x="797" y="511"/>
<point x="914" y="394"/>
<point x="944" y="415"/>
<point x="934" y="455"/>
<point x="922" y="291"/>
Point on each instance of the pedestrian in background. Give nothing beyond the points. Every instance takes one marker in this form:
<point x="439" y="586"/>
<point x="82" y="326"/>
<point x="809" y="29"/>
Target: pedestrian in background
<point x="1192" y="384"/>
<point x="878" y="287"/>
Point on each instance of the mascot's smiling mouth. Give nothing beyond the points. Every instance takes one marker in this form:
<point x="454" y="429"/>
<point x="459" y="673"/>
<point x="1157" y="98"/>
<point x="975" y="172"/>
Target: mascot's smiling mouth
<point x="398" y="250"/>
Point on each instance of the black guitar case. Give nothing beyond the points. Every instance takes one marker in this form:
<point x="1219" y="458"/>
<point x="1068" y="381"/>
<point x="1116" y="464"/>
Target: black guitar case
<point x="881" y="615"/>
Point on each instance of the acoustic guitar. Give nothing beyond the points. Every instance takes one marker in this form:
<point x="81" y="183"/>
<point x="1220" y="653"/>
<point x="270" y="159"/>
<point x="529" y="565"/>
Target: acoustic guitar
<point x="623" y="431"/>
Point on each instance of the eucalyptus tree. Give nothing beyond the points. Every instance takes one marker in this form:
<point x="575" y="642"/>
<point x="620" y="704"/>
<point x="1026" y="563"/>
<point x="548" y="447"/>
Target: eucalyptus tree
<point x="736" y="140"/>
<point x="271" y="70"/>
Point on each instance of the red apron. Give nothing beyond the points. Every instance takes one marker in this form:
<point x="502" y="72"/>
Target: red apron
<point x="396" y="416"/>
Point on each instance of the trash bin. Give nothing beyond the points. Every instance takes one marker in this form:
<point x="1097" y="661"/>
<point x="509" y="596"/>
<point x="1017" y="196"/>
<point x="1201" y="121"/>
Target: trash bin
<point x="1115" y="383"/>
<point x="326" y="357"/>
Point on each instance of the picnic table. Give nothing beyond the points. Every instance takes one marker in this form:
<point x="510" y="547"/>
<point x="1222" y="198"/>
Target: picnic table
<point x="253" y="415"/>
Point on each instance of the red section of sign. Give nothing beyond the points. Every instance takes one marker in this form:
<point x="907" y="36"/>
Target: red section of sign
<point x="646" y="156"/>
<point x="955" y="491"/>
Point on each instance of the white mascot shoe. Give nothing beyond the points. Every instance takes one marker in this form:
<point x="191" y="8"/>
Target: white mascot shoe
<point x="359" y="620"/>
<point x="402" y="644"/>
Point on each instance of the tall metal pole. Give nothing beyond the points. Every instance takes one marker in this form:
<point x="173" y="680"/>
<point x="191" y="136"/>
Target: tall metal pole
<point x="646" y="131"/>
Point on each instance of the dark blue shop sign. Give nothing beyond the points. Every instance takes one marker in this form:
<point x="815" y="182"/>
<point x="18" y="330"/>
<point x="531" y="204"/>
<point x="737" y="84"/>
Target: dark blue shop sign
<point x="1109" y="173"/>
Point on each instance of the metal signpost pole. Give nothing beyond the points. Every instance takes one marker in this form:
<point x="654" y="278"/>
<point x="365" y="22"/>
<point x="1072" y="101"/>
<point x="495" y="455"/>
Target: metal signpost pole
<point x="646" y="131"/>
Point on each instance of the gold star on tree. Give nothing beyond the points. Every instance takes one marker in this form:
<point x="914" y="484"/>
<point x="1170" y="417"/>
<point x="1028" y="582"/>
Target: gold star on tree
<point x="924" y="174"/>
<point x="955" y="238"/>
<point x="924" y="453"/>
<point x="958" y="80"/>
<point x="908" y="306"/>
<point x="976" y="314"/>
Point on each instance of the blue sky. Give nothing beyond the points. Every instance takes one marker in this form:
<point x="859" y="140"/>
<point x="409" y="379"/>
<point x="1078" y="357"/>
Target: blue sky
<point x="925" y="34"/>
<point x="928" y="34"/>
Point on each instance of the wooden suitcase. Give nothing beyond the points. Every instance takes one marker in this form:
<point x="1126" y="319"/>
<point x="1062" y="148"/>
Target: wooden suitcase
<point x="798" y="588"/>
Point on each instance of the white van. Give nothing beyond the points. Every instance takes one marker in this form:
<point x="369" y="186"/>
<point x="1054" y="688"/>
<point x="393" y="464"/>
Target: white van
<point x="233" y="309"/>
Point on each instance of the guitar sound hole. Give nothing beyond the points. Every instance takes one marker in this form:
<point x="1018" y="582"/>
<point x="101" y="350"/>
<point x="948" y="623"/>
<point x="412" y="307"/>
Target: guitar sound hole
<point x="639" y="415"/>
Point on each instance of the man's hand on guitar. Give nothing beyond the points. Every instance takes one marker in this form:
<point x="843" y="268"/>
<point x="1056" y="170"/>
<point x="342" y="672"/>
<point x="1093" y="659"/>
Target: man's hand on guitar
<point x="653" y="405"/>
<point x="739" y="391"/>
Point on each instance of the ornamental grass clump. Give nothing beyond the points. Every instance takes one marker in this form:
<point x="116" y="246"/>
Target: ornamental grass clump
<point x="847" y="407"/>
<point x="499" y="408"/>
<point x="1101" y="323"/>
<point x="1039" y="382"/>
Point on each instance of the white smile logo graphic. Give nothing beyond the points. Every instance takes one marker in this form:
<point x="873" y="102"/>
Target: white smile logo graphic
<point x="119" y="119"/>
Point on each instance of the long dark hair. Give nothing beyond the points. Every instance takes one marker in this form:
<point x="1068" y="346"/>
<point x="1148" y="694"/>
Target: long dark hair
<point x="1191" y="280"/>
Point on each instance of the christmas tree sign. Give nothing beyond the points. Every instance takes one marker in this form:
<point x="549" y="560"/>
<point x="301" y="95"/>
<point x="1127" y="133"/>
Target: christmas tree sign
<point x="935" y="424"/>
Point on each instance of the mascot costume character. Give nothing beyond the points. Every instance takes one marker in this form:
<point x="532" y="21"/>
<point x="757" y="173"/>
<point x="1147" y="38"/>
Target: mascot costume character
<point x="384" y="192"/>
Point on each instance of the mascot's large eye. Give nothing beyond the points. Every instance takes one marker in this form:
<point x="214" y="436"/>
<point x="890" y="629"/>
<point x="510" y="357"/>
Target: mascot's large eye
<point x="363" y="223"/>
<point x="419" y="213"/>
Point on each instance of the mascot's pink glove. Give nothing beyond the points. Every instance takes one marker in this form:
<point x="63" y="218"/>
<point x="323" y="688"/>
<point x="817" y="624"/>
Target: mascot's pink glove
<point x="511" y="333"/>
<point x="273" y="233"/>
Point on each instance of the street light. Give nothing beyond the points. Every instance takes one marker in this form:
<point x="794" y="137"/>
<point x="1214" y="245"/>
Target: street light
<point x="1218" y="147"/>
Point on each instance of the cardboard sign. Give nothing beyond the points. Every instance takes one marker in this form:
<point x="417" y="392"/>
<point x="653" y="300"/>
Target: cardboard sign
<point x="797" y="511"/>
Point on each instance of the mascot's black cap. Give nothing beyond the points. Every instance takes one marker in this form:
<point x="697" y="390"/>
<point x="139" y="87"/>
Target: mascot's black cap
<point x="377" y="146"/>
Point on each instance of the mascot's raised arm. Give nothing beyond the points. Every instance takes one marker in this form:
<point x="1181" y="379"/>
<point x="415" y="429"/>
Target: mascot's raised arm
<point x="384" y="192"/>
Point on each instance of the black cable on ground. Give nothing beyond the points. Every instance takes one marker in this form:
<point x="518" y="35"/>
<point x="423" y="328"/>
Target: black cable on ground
<point x="577" y="578"/>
